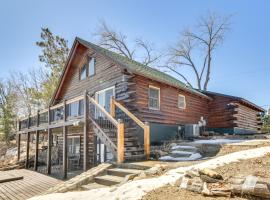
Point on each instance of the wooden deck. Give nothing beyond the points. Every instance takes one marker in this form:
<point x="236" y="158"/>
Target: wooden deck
<point x="32" y="184"/>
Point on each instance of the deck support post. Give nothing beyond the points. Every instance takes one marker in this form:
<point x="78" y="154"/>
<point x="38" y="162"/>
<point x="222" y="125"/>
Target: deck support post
<point x="37" y="144"/>
<point x="27" y="144"/>
<point x="49" y="144"/>
<point x="120" y="142"/>
<point x="18" y="146"/>
<point x="65" y="144"/>
<point x="147" y="140"/>
<point x="85" y="132"/>
<point x="36" y="151"/>
<point x="95" y="151"/>
<point x="27" y="151"/>
<point x="65" y="152"/>
<point x="49" y="152"/>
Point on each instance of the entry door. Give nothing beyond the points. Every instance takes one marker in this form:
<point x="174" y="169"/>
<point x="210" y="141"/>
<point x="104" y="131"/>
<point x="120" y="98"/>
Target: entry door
<point x="103" y="97"/>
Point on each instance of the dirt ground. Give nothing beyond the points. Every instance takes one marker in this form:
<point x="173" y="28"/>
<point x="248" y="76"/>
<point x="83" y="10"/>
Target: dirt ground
<point x="256" y="166"/>
<point x="175" y="193"/>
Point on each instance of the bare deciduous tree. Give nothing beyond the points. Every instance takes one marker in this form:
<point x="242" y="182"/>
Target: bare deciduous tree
<point x="117" y="42"/>
<point x="209" y="35"/>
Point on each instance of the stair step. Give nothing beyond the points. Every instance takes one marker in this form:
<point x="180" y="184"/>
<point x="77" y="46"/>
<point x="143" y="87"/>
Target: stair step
<point x="133" y="149"/>
<point x="108" y="180"/>
<point x="122" y="172"/>
<point x="138" y="157"/>
<point x="91" y="186"/>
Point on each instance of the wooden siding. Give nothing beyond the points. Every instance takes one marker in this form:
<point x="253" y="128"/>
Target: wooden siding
<point x="221" y="114"/>
<point x="246" y="118"/>
<point x="106" y="74"/>
<point x="227" y="112"/>
<point x="169" y="112"/>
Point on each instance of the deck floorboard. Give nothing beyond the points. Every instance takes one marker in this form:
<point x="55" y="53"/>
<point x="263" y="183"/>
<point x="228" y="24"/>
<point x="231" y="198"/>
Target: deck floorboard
<point x="32" y="184"/>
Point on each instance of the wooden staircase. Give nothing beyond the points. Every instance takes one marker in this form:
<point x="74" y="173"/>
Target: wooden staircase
<point x="120" y="136"/>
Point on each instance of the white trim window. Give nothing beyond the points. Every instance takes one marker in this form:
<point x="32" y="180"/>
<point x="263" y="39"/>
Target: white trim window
<point x="154" y="98"/>
<point x="74" y="145"/>
<point x="181" y="101"/>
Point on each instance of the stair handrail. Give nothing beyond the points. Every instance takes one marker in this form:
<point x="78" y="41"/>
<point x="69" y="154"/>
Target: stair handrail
<point x="120" y="130"/>
<point x="108" y="115"/>
<point x="144" y="126"/>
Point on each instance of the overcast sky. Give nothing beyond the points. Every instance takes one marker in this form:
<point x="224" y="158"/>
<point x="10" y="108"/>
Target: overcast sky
<point x="241" y="66"/>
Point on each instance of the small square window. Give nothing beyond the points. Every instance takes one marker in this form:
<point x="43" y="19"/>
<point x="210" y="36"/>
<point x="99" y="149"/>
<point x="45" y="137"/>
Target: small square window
<point x="154" y="98"/>
<point x="181" y="101"/>
<point x="91" y="67"/>
<point x="83" y="73"/>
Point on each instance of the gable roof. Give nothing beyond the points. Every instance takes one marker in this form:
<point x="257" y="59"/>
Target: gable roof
<point x="131" y="65"/>
<point x="140" y="69"/>
<point x="235" y="98"/>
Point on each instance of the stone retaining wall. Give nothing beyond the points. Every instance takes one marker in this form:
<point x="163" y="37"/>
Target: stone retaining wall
<point x="79" y="180"/>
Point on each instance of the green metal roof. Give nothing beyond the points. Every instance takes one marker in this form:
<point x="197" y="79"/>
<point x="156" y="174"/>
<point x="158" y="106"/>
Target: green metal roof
<point x="141" y="69"/>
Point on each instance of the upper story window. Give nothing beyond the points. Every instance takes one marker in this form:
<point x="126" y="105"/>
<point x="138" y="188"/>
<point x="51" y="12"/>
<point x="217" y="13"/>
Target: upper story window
<point x="91" y="67"/>
<point x="75" y="109"/>
<point x="154" y="98"/>
<point x="88" y="69"/>
<point x="83" y="73"/>
<point x="181" y="101"/>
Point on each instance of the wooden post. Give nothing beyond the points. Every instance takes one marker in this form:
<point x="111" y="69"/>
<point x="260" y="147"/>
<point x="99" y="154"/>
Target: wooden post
<point x="19" y="147"/>
<point x="120" y="142"/>
<point x="65" y="144"/>
<point x="65" y="152"/>
<point x="27" y="144"/>
<point x="99" y="151"/>
<point x="37" y="144"/>
<point x="36" y="151"/>
<point x="112" y="108"/>
<point x="95" y="151"/>
<point x="49" y="146"/>
<point x="49" y="151"/>
<point x="85" y="132"/>
<point x="147" y="140"/>
<point x="27" y="150"/>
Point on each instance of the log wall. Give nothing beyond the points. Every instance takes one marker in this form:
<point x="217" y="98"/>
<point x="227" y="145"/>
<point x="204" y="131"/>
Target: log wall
<point x="169" y="112"/>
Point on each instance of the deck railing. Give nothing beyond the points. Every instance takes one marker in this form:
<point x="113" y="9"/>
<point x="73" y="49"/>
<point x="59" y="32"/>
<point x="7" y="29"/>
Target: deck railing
<point x="144" y="126"/>
<point x="54" y="114"/>
<point x="108" y="129"/>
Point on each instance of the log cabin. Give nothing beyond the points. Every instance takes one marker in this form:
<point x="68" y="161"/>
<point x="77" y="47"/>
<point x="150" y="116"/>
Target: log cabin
<point x="110" y="108"/>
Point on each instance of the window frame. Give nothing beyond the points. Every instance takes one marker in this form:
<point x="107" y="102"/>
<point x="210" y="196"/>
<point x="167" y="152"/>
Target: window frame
<point x="156" y="88"/>
<point x="88" y="68"/>
<point x="80" y="75"/>
<point x="185" y="103"/>
<point x="72" y="138"/>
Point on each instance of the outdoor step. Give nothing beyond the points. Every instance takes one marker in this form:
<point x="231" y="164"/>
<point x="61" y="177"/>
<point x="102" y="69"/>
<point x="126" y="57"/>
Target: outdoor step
<point x="108" y="180"/>
<point x="138" y="157"/>
<point x="91" y="186"/>
<point x="133" y="148"/>
<point x="122" y="172"/>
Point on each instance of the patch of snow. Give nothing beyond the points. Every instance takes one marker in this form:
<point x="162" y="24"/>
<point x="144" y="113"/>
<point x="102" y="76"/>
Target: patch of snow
<point x="11" y="152"/>
<point x="217" y="141"/>
<point x="173" y="157"/>
<point x="183" y="147"/>
<point x="181" y="152"/>
<point x="137" y="189"/>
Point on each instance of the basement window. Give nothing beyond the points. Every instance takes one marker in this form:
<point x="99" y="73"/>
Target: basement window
<point x="181" y="101"/>
<point x="154" y="98"/>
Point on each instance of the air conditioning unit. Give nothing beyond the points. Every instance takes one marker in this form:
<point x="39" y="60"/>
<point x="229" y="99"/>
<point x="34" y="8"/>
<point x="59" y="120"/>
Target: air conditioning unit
<point x="192" y="130"/>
